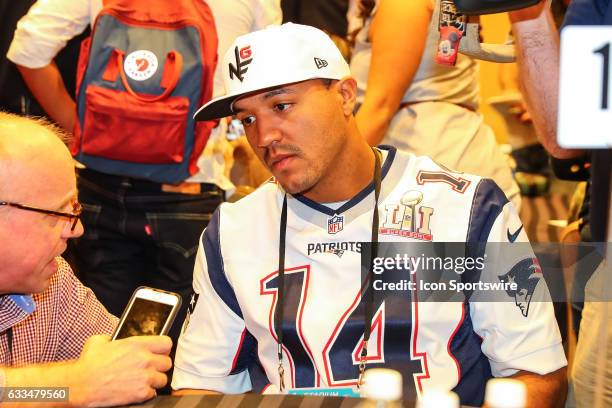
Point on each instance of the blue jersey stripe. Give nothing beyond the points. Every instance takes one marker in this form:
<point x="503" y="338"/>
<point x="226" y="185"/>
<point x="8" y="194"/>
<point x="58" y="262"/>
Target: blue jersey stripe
<point x="474" y="367"/>
<point x="489" y="200"/>
<point x="211" y="241"/>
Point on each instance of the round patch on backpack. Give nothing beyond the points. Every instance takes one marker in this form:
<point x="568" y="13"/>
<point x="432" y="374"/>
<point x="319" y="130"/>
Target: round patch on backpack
<point x="140" y="65"/>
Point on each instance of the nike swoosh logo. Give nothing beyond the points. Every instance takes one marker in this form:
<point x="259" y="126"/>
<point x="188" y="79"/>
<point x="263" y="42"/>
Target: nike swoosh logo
<point x="513" y="237"/>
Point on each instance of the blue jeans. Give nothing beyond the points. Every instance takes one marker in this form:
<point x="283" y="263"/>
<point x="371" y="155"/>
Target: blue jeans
<point x="136" y="234"/>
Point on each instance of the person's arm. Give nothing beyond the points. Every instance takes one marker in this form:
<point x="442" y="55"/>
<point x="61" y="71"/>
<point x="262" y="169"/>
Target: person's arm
<point x="39" y="37"/>
<point x="548" y="390"/>
<point x="520" y="335"/>
<point x="398" y="34"/>
<point x="267" y="12"/>
<point x="107" y="373"/>
<point x="537" y="49"/>
<point x="47" y="86"/>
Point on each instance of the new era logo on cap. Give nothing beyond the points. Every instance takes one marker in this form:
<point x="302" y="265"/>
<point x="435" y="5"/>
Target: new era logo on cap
<point x="243" y="58"/>
<point x="321" y="63"/>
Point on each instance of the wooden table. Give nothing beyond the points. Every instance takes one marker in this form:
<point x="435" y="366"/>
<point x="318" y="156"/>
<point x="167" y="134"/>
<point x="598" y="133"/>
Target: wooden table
<point x="253" y="400"/>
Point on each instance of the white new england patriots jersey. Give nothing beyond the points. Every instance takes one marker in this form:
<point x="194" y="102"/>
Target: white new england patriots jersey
<point x="229" y="343"/>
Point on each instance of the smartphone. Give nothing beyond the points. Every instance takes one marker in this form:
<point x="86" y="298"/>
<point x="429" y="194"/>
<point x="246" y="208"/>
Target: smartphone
<point x="149" y="312"/>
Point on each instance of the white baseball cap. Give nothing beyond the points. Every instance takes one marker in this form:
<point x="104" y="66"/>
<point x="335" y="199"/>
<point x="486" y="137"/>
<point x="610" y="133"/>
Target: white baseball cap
<point x="274" y="56"/>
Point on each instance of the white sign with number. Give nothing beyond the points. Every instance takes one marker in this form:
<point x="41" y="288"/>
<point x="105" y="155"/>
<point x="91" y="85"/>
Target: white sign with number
<point x="585" y="108"/>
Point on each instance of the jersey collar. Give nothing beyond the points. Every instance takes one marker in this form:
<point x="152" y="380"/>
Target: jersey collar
<point x="359" y="196"/>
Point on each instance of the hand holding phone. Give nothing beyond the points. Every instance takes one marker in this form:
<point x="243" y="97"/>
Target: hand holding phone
<point x="149" y="312"/>
<point x="117" y="373"/>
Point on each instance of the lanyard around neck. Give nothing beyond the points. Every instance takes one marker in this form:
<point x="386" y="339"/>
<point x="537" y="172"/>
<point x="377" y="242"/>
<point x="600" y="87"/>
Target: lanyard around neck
<point x="367" y="292"/>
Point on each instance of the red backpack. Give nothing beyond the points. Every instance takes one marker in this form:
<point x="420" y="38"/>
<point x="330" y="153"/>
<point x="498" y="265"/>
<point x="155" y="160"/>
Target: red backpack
<point x="145" y="70"/>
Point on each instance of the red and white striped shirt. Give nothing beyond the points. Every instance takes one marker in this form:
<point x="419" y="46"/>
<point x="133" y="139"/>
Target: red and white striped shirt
<point x="66" y="315"/>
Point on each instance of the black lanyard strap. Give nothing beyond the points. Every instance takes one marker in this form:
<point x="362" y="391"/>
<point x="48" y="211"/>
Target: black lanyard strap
<point x="278" y="313"/>
<point x="369" y="292"/>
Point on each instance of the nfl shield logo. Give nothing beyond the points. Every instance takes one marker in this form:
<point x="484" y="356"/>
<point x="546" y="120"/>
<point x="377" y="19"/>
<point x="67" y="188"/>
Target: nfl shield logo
<point x="335" y="224"/>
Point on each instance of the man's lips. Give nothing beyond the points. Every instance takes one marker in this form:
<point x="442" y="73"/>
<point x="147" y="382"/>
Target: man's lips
<point x="279" y="161"/>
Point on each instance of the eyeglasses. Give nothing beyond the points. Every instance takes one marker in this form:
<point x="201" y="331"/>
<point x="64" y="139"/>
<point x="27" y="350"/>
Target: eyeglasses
<point x="74" y="216"/>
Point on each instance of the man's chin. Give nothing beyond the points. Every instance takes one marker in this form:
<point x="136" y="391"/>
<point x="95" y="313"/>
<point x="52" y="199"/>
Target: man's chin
<point x="292" y="187"/>
<point x="50" y="270"/>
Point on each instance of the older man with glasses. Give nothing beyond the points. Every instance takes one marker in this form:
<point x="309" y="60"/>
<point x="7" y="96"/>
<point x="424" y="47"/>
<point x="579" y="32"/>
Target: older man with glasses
<point x="53" y="331"/>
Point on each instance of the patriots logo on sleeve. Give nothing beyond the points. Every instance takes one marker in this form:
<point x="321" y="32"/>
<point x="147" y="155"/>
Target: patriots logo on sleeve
<point x="526" y="274"/>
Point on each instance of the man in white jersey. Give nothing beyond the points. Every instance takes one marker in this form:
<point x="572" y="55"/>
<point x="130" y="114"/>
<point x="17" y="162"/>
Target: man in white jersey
<point x="294" y="94"/>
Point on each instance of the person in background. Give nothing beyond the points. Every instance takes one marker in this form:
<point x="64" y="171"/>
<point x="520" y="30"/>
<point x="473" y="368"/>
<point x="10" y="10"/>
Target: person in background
<point x="327" y="15"/>
<point x="405" y="99"/>
<point x="53" y="330"/>
<point x="532" y="170"/>
<point x="137" y="232"/>
<point x="15" y="96"/>
<point x="537" y="44"/>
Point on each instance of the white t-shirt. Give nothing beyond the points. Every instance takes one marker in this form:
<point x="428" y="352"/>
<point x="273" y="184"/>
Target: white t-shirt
<point x="431" y="82"/>
<point x="452" y="345"/>
<point x="50" y="24"/>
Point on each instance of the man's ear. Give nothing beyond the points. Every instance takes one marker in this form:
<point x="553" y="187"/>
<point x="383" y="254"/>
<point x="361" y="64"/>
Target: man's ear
<point x="348" y="90"/>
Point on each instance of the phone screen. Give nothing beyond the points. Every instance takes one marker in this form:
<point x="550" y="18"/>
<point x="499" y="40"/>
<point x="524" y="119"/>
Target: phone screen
<point x="146" y="317"/>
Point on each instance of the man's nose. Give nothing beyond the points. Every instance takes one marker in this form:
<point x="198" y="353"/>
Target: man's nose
<point x="76" y="232"/>
<point x="267" y="132"/>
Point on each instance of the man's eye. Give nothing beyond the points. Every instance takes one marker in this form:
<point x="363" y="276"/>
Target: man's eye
<point x="282" y="106"/>
<point x="248" y="120"/>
